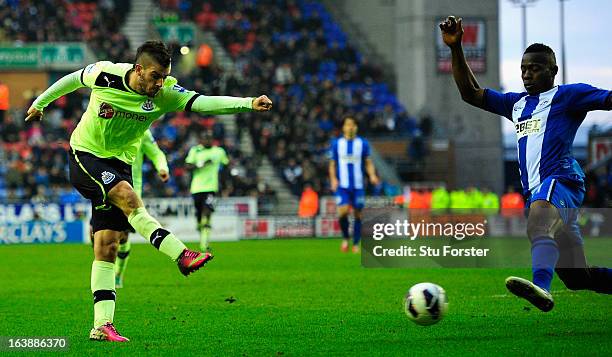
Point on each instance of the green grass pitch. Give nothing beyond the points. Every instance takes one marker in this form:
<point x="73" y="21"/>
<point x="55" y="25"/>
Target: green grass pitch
<point x="292" y="298"/>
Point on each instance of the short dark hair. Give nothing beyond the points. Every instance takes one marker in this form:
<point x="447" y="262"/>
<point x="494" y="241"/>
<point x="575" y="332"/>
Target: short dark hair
<point x="349" y="117"/>
<point x="156" y="50"/>
<point x="540" y="48"/>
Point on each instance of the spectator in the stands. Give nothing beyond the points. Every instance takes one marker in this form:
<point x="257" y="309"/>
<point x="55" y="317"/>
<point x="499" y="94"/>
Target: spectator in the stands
<point x="426" y="126"/>
<point x="4" y="100"/>
<point x="10" y="130"/>
<point x="293" y="175"/>
<point x="97" y="23"/>
<point x="309" y="202"/>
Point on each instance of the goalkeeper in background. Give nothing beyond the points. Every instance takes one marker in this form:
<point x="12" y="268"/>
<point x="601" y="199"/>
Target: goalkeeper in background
<point x="148" y="147"/>
<point x="205" y="161"/>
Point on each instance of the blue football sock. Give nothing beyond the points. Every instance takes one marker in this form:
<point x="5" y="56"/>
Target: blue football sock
<point x="601" y="280"/>
<point x="344" y="226"/>
<point x="544" y="256"/>
<point x="356" y="231"/>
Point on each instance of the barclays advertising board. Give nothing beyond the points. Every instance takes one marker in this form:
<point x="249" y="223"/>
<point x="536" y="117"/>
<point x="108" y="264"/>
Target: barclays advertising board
<point x="44" y="223"/>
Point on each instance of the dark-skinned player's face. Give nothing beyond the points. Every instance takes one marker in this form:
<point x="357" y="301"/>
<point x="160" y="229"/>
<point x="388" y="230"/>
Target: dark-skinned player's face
<point x="151" y="77"/>
<point x="206" y="139"/>
<point x="349" y="128"/>
<point x="538" y="72"/>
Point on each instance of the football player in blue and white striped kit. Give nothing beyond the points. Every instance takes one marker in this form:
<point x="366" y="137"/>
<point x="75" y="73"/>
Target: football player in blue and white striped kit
<point x="546" y="118"/>
<point x="350" y="160"/>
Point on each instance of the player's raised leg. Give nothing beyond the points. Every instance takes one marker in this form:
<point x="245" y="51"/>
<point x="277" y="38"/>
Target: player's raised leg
<point x="124" y="197"/>
<point x="103" y="286"/>
<point x="572" y="267"/>
<point x="123" y="255"/>
<point x="543" y="223"/>
<point x="597" y="279"/>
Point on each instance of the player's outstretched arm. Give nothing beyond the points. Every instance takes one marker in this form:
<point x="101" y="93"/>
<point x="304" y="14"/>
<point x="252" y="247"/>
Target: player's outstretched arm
<point x="452" y="33"/>
<point x="230" y="105"/>
<point x="67" y="84"/>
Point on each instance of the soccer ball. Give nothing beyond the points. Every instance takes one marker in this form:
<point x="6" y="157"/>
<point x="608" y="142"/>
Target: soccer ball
<point x="425" y="304"/>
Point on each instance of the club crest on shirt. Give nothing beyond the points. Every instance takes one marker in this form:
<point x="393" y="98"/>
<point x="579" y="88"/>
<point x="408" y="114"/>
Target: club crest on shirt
<point x="528" y="127"/>
<point x="106" y="111"/>
<point x="148" y="105"/>
<point x="107" y="177"/>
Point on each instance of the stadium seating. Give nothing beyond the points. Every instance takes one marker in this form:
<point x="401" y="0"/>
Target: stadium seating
<point x="296" y="53"/>
<point x="34" y="157"/>
<point x="97" y="23"/>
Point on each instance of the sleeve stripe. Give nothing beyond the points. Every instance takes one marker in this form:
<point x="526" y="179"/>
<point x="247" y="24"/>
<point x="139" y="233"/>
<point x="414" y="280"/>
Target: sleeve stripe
<point x="190" y="102"/>
<point x="82" y="73"/>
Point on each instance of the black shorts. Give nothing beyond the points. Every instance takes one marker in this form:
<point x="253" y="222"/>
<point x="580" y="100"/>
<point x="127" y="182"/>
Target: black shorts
<point x="93" y="177"/>
<point x="201" y="200"/>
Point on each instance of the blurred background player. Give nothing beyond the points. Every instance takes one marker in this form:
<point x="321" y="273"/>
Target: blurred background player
<point x="149" y="148"/>
<point x="205" y="160"/>
<point x="350" y="160"/>
<point x="125" y="99"/>
<point x="546" y="118"/>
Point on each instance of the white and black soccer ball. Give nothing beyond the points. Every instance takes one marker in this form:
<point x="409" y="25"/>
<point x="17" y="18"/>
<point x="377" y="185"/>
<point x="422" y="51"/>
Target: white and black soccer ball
<point x="426" y="304"/>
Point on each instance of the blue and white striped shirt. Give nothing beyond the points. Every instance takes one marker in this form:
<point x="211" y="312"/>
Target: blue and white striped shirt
<point x="350" y="156"/>
<point x="546" y="125"/>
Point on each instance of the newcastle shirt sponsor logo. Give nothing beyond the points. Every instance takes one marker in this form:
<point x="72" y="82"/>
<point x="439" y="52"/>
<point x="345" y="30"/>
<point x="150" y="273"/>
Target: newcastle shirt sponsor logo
<point x="132" y="116"/>
<point x="106" y="111"/>
<point x="528" y="127"/>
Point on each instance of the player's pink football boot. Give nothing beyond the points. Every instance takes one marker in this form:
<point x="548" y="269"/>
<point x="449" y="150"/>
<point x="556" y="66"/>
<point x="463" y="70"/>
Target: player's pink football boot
<point x="106" y="332"/>
<point x="190" y="261"/>
<point x="356" y="249"/>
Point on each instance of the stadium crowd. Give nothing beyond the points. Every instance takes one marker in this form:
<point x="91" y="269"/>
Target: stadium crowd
<point x="295" y="52"/>
<point x="292" y="50"/>
<point x="96" y="22"/>
<point x="335" y="81"/>
<point x="34" y="155"/>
